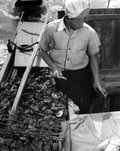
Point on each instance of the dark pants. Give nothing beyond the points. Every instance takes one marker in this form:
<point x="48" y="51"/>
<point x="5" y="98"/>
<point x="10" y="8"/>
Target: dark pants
<point x="77" y="87"/>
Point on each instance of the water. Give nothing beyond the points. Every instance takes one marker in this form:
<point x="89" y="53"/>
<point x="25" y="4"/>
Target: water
<point x="8" y="25"/>
<point x="9" y="20"/>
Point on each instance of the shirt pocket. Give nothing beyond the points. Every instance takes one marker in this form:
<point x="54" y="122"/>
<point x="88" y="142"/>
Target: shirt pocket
<point x="79" y="46"/>
<point x="80" y="58"/>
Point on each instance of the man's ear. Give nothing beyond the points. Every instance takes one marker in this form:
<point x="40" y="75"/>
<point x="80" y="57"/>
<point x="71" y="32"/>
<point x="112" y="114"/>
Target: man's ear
<point x="85" y="12"/>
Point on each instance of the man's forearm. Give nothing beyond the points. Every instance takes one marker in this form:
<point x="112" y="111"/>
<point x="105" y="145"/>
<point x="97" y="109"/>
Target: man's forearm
<point x="95" y="69"/>
<point x="47" y="59"/>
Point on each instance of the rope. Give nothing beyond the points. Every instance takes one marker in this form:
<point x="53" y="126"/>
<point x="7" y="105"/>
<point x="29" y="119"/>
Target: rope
<point x="30" y="32"/>
<point x="22" y="48"/>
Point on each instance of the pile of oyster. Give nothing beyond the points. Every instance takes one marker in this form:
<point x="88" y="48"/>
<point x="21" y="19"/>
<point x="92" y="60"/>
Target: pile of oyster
<point x="41" y="110"/>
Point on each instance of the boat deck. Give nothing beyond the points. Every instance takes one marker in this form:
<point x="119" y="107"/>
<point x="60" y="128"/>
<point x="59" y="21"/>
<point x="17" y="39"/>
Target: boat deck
<point x="27" y="34"/>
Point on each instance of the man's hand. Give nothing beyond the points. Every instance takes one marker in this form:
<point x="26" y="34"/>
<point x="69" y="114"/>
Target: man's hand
<point x="100" y="89"/>
<point x="57" y="72"/>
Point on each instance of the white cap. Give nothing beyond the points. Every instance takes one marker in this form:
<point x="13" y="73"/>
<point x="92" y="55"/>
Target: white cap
<point x="74" y="8"/>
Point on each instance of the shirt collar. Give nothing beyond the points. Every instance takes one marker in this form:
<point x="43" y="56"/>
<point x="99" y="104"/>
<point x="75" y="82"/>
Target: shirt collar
<point x="61" y="25"/>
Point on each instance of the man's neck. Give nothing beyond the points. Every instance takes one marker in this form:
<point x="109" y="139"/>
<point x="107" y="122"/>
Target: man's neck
<point x="69" y="29"/>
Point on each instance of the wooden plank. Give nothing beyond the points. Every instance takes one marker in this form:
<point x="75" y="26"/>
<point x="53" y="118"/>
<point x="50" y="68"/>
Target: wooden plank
<point x="113" y="72"/>
<point x="98" y="17"/>
<point x="113" y="88"/>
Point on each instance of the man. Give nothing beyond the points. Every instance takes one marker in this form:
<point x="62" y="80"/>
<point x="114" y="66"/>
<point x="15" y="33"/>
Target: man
<point x="68" y="45"/>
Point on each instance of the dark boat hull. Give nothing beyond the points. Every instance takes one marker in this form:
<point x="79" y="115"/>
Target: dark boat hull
<point x="27" y="5"/>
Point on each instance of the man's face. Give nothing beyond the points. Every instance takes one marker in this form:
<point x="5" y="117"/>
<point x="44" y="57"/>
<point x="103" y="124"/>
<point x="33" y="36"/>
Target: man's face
<point x="77" y="22"/>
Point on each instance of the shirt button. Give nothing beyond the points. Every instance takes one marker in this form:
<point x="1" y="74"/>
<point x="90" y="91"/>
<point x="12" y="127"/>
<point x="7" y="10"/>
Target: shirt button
<point x="68" y="59"/>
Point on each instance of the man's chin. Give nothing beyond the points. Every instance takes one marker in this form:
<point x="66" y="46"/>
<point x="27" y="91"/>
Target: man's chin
<point x="77" y="27"/>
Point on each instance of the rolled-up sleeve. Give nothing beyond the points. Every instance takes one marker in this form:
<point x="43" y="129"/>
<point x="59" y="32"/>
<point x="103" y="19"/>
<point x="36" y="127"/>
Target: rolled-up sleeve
<point x="45" y="39"/>
<point x="93" y="43"/>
